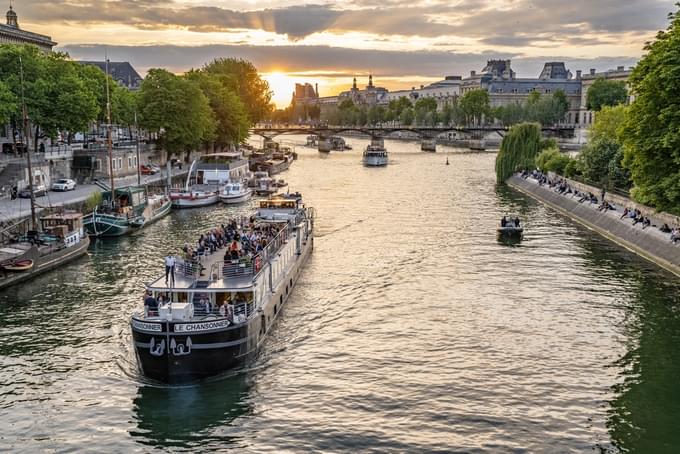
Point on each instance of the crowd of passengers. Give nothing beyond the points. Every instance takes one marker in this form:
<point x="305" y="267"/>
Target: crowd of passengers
<point x="239" y="240"/>
<point x="562" y="186"/>
<point x="202" y="305"/>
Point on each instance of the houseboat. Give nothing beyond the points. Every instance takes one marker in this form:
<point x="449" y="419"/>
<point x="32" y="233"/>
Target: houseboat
<point x="61" y="238"/>
<point x="207" y="177"/>
<point x="126" y="210"/>
<point x="219" y="308"/>
<point x="376" y="154"/>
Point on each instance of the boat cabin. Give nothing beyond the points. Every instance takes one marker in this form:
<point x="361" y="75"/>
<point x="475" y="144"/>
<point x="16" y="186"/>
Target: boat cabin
<point x="67" y="226"/>
<point x="127" y="201"/>
<point x="218" y="169"/>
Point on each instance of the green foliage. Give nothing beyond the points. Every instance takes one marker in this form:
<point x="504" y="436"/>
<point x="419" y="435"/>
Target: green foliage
<point x="229" y="112"/>
<point x="407" y="116"/>
<point x="57" y="95"/>
<point x="92" y="202"/>
<point x="546" y="110"/>
<point x="475" y="105"/>
<point x="605" y="92"/>
<point x="518" y="150"/>
<point x="242" y="77"/>
<point x="573" y="168"/>
<point x="552" y="160"/>
<point x="608" y="123"/>
<point x="8" y="103"/>
<point x="123" y="106"/>
<point x="651" y="131"/>
<point x="601" y="163"/>
<point x="177" y="109"/>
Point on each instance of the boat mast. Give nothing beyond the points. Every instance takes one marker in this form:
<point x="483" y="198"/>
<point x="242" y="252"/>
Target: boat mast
<point x="108" y="128"/>
<point x="28" y="151"/>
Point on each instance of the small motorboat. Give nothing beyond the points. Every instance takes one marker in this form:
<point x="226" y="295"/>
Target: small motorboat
<point x="19" y="265"/>
<point x="510" y="226"/>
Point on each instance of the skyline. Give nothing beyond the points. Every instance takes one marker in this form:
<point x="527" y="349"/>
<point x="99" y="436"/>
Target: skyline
<point x="402" y="44"/>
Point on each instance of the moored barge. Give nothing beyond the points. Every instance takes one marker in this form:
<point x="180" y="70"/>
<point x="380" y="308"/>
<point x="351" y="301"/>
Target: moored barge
<point x="225" y="297"/>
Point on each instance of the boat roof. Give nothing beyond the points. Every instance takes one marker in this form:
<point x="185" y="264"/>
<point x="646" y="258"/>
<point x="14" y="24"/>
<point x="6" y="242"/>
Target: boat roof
<point x="66" y="215"/>
<point x="126" y="190"/>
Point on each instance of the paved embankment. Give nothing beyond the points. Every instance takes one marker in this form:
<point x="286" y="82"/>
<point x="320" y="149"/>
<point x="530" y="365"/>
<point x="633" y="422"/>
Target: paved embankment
<point x="11" y="210"/>
<point x="649" y="243"/>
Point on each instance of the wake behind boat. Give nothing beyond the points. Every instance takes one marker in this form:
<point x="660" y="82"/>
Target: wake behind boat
<point x="225" y="296"/>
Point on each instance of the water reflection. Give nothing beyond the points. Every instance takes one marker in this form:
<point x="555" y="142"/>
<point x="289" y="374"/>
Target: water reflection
<point x="187" y="417"/>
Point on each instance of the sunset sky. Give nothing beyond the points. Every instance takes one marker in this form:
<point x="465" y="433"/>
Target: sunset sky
<point x="403" y="43"/>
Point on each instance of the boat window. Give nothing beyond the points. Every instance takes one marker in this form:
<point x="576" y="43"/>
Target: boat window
<point x="277" y="204"/>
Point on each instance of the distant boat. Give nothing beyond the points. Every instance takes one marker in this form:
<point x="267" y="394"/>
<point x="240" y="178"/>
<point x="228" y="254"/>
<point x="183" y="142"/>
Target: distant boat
<point x="235" y="193"/>
<point x="510" y="226"/>
<point x="376" y="154"/>
<point x="428" y="145"/>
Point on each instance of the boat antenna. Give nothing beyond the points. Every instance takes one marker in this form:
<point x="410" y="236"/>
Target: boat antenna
<point x="108" y="128"/>
<point x="28" y="151"/>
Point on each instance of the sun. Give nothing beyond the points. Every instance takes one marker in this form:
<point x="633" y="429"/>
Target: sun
<point x="282" y="85"/>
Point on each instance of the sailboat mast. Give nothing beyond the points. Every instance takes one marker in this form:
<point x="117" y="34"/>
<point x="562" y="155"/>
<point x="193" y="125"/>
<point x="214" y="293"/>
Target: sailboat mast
<point x="34" y="220"/>
<point x="109" y="126"/>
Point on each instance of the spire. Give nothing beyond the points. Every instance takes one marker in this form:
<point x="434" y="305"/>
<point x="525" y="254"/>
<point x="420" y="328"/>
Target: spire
<point x="354" y="84"/>
<point x="12" y="19"/>
<point x="370" y="81"/>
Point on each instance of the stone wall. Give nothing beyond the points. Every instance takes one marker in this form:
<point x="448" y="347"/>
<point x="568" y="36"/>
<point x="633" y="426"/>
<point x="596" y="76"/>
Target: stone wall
<point x="650" y="243"/>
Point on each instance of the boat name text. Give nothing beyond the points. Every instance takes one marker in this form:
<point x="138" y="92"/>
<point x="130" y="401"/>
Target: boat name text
<point x="190" y="328"/>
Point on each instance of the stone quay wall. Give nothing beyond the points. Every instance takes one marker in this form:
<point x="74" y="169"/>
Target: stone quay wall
<point x="649" y="243"/>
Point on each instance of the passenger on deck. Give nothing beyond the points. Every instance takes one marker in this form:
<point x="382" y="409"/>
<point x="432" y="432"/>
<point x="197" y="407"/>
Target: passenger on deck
<point x="170" y="269"/>
<point x="150" y="304"/>
<point x="504" y="221"/>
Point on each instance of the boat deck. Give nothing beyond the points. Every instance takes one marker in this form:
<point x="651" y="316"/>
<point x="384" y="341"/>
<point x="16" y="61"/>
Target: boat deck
<point x="239" y="278"/>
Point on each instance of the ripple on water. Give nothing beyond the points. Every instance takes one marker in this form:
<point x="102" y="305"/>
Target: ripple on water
<point x="412" y="329"/>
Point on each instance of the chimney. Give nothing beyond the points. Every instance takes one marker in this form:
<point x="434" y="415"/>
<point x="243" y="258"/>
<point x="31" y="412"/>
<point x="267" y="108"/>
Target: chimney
<point x="592" y="72"/>
<point x="422" y="86"/>
<point x="473" y="73"/>
<point x="578" y="74"/>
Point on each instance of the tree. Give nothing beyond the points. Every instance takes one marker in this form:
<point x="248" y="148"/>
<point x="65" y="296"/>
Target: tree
<point x="608" y="123"/>
<point x="518" y="151"/>
<point x="247" y="82"/>
<point x="651" y="130"/>
<point x="552" y="160"/>
<point x="229" y="112"/>
<point x="407" y="116"/>
<point x="177" y="109"/>
<point x="8" y="104"/>
<point x="475" y="105"/>
<point x="605" y="92"/>
<point x="601" y="163"/>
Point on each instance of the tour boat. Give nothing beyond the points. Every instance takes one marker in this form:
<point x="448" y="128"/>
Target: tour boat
<point x="312" y="140"/>
<point x="206" y="178"/>
<point x="333" y="143"/>
<point x="61" y="238"/>
<point x="217" y="311"/>
<point x="235" y="193"/>
<point x="126" y="210"/>
<point x="375" y="154"/>
<point x="428" y="145"/>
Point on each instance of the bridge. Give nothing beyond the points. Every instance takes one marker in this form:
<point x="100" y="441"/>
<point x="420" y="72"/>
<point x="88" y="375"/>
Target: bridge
<point x="425" y="132"/>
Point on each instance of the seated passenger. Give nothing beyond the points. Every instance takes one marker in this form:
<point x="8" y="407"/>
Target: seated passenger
<point x="665" y="229"/>
<point x="151" y="304"/>
<point x="517" y="223"/>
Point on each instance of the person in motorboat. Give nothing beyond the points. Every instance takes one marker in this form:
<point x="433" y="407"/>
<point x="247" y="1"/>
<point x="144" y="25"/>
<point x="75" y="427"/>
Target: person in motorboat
<point x="504" y="221"/>
<point x="517" y="223"/>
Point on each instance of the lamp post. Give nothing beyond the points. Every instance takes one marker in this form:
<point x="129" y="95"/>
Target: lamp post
<point x="139" y="172"/>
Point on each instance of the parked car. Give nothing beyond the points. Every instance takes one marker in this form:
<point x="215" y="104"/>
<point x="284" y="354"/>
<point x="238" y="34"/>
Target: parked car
<point x="39" y="190"/>
<point x="155" y="168"/>
<point x="64" y="184"/>
<point x="147" y="170"/>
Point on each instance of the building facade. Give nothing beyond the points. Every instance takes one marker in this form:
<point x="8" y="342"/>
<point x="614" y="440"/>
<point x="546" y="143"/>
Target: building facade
<point x="619" y="74"/>
<point x="11" y="33"/>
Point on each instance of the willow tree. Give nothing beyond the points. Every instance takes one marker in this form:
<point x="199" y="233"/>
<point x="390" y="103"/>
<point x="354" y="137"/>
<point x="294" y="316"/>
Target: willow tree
<point x="518" y="150"/>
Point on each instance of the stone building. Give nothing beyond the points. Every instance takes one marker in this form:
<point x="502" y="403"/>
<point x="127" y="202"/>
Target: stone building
<point x="369" y="96"/>
<point x="505" y="88"/>
<point x="93" y="162"/>
<point x="121" y="72"/>
<point x="10" y="33"/>
<point x="443" y="91"/>
<point x="587" y="80"/>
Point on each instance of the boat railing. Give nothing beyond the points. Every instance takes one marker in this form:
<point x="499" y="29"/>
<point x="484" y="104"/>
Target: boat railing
<point x="188" y="269"/>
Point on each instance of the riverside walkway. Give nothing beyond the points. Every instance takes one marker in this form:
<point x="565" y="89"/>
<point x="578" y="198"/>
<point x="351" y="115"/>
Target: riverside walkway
<point x="12" y="210"/>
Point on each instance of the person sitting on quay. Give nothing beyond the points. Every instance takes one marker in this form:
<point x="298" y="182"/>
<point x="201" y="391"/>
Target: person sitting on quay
<point x="675" y="235"/>
<point x="638" y="219"/>
<point x="646" y="223"/>
<point x="665" y="229"/>
<point x="625" y="213"/>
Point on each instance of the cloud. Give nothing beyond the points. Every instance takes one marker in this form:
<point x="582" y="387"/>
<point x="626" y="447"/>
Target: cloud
<point x="334" y="61"/>
<point x="487" y="20"/>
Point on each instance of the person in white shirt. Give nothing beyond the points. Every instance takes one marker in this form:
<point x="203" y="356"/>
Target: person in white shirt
<point x="170" y="269"/>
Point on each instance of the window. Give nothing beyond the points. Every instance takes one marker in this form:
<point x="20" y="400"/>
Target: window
<point x="130" y="165"/>
<point x="98" y="165"/>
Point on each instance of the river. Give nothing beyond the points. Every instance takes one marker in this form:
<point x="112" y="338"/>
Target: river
<point x="412" y="329"/>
